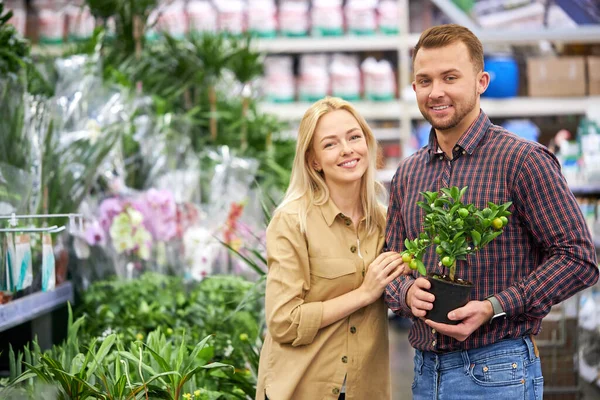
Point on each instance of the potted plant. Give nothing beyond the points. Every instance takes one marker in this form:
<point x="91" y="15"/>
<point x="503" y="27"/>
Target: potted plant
<point x="456" y="230"/>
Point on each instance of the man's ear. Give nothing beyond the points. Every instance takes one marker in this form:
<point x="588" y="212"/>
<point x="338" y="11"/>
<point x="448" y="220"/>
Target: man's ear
<point x="483" y="82"/>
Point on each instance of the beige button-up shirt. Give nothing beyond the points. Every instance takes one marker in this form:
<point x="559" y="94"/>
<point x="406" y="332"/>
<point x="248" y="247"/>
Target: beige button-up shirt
<point x="298" y="360"/>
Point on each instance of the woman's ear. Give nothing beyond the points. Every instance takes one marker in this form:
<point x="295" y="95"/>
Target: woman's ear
<point x="314" y="164"/>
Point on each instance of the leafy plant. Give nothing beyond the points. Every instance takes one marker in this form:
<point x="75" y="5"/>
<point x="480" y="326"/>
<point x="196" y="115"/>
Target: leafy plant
<point x="456" y="229"/>
<point x="106" y="370"/>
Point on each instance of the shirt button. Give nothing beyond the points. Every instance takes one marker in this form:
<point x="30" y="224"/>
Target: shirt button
<point x="345" y="360"/>
<point x="441" y="157"/>
<point x="335" y="391"/>
<point x="433" y="331"/>
<point x="433" y="343"/>
<point x="348" y="222"/>
<point x="456" y="148"/>
<point x="353" y="249"/>
<point x="352" y="329"/>
<point x="464" y="152"/>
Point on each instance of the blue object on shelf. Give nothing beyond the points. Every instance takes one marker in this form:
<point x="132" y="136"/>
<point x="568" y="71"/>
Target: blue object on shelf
<point x="524" y="128"/>
<point x="504" y="76"/>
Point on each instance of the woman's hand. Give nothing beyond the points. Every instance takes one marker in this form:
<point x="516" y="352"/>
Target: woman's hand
<point x="383" y="270"/>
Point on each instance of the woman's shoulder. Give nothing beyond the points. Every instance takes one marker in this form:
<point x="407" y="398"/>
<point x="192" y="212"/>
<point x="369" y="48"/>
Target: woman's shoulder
<point x="286" y="214"/>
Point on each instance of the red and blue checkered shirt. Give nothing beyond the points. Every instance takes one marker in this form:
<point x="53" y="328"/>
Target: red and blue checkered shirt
<point x="545" y="255"/>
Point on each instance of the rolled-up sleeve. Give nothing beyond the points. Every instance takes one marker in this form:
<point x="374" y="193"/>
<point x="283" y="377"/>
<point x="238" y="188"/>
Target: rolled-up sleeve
<point x="290" y="319"/>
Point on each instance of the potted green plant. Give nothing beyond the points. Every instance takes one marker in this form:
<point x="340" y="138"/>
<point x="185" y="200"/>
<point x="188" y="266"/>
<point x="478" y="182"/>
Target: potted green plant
<point x="456" y="230"/>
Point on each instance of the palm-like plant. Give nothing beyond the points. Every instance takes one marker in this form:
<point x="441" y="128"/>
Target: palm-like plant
<point x="246" y="65"/>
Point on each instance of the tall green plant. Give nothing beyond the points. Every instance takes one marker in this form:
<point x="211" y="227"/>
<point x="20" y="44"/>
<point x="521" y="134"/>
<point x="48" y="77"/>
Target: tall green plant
<point x="105" y="369"/>
<point x="246" y="64"/>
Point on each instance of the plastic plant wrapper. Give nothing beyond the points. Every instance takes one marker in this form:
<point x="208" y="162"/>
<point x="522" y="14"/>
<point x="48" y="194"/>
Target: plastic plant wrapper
<point x="89" y="119"/>
<point x="230" y="182"/>
<point x="15" y="189"/>
<point x="37" y="127"/>
<point x="137" y="232"/>
<point x="22" y="270"/>
<point x="48" y="264"/>
<point x="158" y="154"/>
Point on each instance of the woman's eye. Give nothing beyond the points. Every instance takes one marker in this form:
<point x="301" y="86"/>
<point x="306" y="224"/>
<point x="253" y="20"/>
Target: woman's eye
<point x="354" y="137"/>
<point x="328" y="145"/>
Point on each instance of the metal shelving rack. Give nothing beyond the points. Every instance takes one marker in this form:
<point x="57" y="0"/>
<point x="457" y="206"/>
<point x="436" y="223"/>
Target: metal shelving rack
<point x="34" y="306"/>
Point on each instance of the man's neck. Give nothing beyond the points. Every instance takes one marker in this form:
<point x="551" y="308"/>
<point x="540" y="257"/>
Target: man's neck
<point x="448" y="138"/>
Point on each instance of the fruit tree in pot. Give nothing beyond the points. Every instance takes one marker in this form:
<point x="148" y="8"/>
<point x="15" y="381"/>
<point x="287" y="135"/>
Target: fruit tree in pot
<point x="456" y="230"/>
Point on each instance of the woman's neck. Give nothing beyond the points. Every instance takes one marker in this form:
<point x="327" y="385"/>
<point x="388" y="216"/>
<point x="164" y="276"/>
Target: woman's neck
<point x="347" y="199"/>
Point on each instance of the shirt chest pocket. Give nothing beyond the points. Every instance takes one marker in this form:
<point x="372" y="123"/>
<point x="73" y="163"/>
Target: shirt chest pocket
<point x="331" y="277"/>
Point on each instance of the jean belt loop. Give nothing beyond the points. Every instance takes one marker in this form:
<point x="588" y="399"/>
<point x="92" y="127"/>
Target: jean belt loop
<point x="530" y="347"/>
<point x="466" y="360"/>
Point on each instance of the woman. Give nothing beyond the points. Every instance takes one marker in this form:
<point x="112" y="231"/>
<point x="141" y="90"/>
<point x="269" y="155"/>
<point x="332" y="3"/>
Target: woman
<point x="326" y="318"/>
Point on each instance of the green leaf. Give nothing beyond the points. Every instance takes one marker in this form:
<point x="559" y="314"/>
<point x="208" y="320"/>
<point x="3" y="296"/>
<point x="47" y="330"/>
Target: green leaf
<point x="102" y="352"/>
<point x="127" y="355"/>
<point x="421" y="268"/>
<point x="488" y="237"/>
<point x="476" y="236"/>
<point x="455" y="193"/>
<point x="462" y="191"/>
<point x="195" y="352"/>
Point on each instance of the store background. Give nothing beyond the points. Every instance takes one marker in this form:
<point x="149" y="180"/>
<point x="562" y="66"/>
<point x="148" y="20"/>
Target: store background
<point x="182" y="130"/>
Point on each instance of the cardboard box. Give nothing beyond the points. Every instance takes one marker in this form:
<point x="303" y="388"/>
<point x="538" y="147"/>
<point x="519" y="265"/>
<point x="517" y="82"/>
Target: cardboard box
<point x="593" y="69"/>
<point x="556" y="76"/>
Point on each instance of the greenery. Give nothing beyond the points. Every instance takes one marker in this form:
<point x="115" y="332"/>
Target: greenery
<point x="228" y="307"/>
<point x="150" y="337"/>
<point x="108" y="368"/>
<point x="456" y="229"/>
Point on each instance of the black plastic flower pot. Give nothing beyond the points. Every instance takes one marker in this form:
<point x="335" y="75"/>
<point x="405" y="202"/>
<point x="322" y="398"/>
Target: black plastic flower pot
<point x="448" y="296"/>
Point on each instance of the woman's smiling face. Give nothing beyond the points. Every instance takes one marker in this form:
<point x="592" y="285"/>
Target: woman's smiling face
<point x="340" y="148"/>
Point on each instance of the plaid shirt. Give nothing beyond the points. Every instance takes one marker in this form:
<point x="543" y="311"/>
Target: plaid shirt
<point x="545" y="254"/>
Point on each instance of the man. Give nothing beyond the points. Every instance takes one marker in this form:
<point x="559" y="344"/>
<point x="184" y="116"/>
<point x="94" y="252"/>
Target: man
<point x="544" y="256"/>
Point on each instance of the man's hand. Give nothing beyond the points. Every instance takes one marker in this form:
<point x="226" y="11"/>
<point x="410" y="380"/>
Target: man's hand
<point x="418" y="298"/>
<point x="472" y="316"/>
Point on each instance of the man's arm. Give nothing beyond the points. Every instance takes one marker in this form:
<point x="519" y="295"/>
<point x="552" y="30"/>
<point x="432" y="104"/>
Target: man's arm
<point x="545" y="204"/>
<point x="395" y="293"/>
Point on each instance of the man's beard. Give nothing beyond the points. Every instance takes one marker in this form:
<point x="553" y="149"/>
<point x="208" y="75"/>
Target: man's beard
<point x="459" y="115"/>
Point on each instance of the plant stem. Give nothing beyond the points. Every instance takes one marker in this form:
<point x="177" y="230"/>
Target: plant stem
<point x="244" y="133"/>
<point x="212" y="98"/>
<point x="452" y="270"/>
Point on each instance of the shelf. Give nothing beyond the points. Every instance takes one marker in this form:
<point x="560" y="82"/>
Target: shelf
<point x="513" y="107"/>
<point x="34" y="305"/>
<point x="586" y="190"/>
<point x="527" y="106"/>
<point x="385" y="175"/>
<point x="368" y="109"/>
<point x="381" y="134"/>
<point x="327" y="44"/>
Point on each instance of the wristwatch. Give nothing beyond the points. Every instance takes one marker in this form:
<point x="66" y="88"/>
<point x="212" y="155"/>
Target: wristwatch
<point x="497" y="307"/>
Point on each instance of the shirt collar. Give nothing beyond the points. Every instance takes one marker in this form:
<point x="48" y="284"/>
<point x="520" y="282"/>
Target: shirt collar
<point x="468" y="141"/>
<point x="330" y="211"/>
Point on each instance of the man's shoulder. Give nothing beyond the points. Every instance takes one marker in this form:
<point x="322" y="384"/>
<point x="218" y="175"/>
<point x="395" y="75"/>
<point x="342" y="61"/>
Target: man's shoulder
<point x="517" y="146"/>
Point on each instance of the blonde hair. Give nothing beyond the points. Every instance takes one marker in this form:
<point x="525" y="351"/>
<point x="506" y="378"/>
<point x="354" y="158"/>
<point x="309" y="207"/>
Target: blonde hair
<point x="308" y="185"/>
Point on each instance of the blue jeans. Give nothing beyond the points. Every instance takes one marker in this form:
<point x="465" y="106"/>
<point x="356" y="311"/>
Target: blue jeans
<point x="508" y="369"/>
